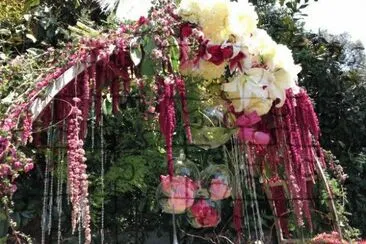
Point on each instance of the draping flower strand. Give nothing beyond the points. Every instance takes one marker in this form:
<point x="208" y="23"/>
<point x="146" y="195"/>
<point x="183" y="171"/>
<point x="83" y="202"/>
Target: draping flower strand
<point x="77" y="177"/>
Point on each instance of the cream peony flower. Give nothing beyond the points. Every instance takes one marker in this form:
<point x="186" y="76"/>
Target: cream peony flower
<point x="243" y="19"/>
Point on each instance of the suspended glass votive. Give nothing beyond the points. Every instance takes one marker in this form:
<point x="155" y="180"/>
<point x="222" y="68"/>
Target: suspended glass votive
<point x="213" y="128"/>
<point x="185" y="167"/>
<point x="176" y="194"/>
<point x="204" y="213"/>
<point x="218" y="181"/>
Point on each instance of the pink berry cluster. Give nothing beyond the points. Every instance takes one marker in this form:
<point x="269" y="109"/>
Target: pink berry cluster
<point x="12" y="163"/>
<point x="77" y="177"/>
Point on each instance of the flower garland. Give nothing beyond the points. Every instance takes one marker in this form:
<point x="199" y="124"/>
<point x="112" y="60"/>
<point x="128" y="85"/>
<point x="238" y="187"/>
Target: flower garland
<point x="77" y="177"/>
<point x="217" y="40"/>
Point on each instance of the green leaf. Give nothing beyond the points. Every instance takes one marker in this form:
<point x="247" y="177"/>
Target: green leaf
<point x="8" y="99"/>
<point x="303" y="6"/>
<point x="31" y="37"/>
<point x="3" y="240"/>
<point x="5" y="32"/>
<point x="107" y="105"/>
<point x="148" y="67"/>
<point x="289" y="5"/>
<point x="32" y="3"/>
<point x="148" y="45"/>
<point x="174" y="54"/>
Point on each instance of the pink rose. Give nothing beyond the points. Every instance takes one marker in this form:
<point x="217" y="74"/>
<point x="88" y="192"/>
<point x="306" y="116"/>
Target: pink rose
<point x="17" y="165"/>
<point x="219" y="189"/>
<point x="180" y="191"/>
<point x="4" y="170"/>
<point x="28" y="167"/>
<point x="204" y="214"/>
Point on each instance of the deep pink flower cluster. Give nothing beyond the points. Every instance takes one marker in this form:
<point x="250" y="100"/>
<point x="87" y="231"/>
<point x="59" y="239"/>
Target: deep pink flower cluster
<point x="166" y="89"/>
<point x="204" y="214"/>
<point x="167" y="117"/>
<point x="183" y="98"/>
<point x="295" y="136"/>
<point x="216" y="54"/>
<point x="279" y="198"/>
<point x="248" y="133"/>
<point x="27" y="128"/>
<point x="325" y="238"/>
<point x="77" y="177"/>
<point x="12" y="163"/>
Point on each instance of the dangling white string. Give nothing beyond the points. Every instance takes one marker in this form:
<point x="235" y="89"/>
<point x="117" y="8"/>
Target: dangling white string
<point x="102" y="177"/>
<point x="46" y="177"/>
<point x="93" y="115"/>
<point x="45" y="197"/>
<point x="50" y="204"/>
<point x="59" y="185"/>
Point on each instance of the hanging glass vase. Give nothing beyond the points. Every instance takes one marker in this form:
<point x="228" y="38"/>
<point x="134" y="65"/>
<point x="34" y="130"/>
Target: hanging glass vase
<point x="204" y="213"/>
<point x="176" y="193"/>
<point x="185" y="167"/>
<point x="213" y="128"/>
<point x="217" y="180"/>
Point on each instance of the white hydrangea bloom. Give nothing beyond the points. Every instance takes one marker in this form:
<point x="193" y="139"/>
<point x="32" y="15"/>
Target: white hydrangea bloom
<point x="243" y="19"/>
<point x="190" y="10"/>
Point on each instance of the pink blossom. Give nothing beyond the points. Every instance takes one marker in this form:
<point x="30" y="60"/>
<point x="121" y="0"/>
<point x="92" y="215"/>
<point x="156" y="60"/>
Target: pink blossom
<point x="17" y="165"/>
<point x="219" y="189"/>
<point x="180" y="191"/>
<point x="77" y="177"/>
<point x="4" y="169"/>
<point x="247" y="133"/>
<point x="204" y="214"/>
<point x="28" y="167"/>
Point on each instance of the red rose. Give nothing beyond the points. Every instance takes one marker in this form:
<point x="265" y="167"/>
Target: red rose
<point x="180" y="191"/>
<point x="204" y="214"/>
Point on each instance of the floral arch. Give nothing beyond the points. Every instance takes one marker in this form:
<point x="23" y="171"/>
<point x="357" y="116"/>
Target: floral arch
<point x="249" y="80"/>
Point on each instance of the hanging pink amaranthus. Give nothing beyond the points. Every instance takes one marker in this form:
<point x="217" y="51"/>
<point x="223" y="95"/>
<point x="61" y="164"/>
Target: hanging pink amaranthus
<point x="183" y="98"/>
<point x="77" y="177"/>
<point x="295" y="129"/>
<point x="167" y="120"/>
<point x="167" y="116"/>
<point x="279" y="200"/>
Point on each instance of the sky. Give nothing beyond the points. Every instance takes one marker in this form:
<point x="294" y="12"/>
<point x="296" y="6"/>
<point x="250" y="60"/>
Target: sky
<point x="338" y="16"/>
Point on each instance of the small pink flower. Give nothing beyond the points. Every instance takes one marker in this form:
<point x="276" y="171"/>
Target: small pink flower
<point x="219" y="189"/>
<point x="4" y="169"/>
<point x="142" y="20"/>
<point x="13" y="188"/>
<point x="204" y="214"/>
<point x="17" y="165"/>
<point x="28" y="167"/>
